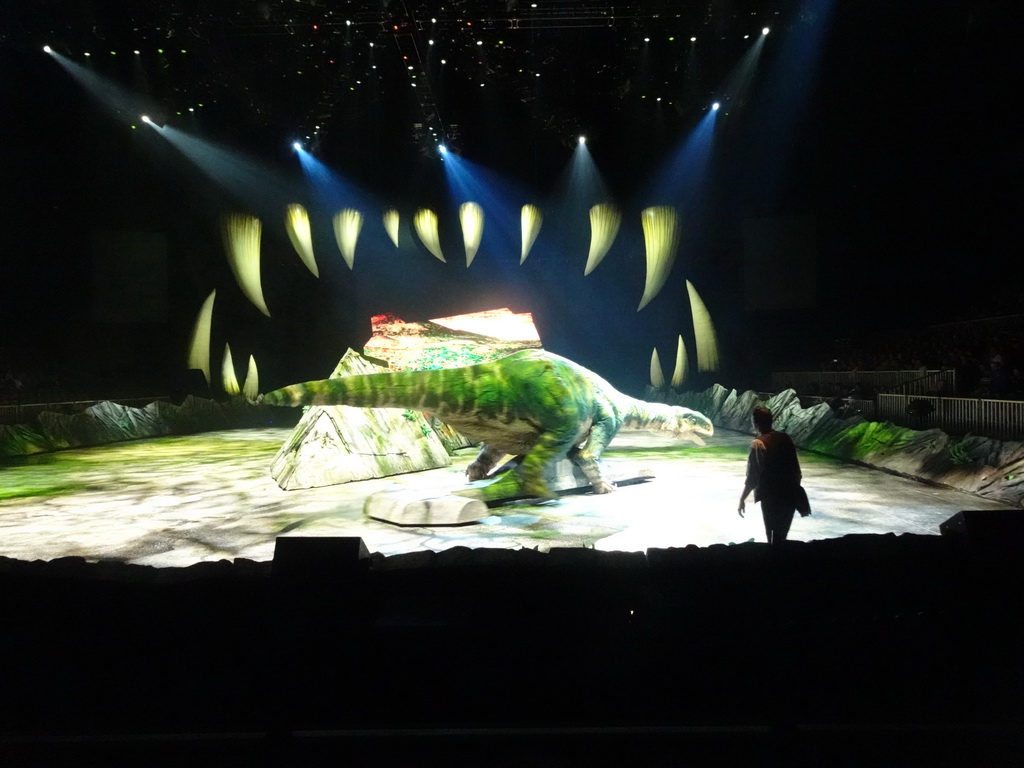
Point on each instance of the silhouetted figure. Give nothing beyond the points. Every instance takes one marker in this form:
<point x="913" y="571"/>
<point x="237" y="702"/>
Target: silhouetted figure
<point x="773" y="474"/>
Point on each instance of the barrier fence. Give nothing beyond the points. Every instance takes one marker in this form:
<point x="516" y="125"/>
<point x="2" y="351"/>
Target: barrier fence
<point x="999" y="419"/>
<point x="915" y="381"/>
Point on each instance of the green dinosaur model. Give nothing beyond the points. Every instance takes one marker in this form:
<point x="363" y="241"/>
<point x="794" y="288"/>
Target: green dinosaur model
<point x="531" y="403"/>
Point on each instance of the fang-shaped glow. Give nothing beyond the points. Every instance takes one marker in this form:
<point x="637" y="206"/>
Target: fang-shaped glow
<point x="661" y="236"/>
<point x="347" y="223"/>
<point x="227" y="372"/>
<point x="704" y="331"/>
<point x="391" y="224"/>
<point x="251" y="388"/>
<point x="425" y="222"/>
<point x="604" y="226"/>
<point x="532" y="218"/>
<point x="657" y="375"/>
<point x="199" y="346"/>
<point x="242" y="243"/>
<point x="471" y="216"/>
<point x="297" y="222"/>
<point x="682" y="365"/>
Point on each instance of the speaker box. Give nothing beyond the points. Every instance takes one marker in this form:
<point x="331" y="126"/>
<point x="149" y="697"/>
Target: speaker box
<point x="987" y="529"/>
<point x="301" y="561"/>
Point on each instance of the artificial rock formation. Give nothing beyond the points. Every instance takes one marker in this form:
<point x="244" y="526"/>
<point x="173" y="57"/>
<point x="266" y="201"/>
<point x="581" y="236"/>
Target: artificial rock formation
<point x="993" y="469"/>
<point x="108" y="422"/>
<point x="340" y="444"/>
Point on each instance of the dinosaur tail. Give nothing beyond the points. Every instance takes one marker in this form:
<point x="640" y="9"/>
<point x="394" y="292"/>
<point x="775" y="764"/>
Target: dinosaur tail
<point x="416" y="390"/>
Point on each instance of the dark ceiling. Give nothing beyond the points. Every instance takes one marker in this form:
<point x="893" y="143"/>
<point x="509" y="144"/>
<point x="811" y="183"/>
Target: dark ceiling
<point x="414" y="72"/>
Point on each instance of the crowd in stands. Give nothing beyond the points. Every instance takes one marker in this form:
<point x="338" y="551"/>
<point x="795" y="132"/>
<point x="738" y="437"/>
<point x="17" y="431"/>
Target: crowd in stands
<point x="987" y="355"/>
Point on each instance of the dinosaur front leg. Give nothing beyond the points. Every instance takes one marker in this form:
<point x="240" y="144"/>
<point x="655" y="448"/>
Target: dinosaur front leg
<point x="586" y="458"/>
<point x="485" y="461"/>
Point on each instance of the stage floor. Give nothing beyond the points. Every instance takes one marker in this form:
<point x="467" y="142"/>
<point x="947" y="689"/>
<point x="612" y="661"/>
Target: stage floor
<point x="180" y="500"/>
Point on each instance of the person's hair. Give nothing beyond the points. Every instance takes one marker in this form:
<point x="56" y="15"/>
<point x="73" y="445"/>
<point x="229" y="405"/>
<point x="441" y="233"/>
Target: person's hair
<point x="763" y="418"/>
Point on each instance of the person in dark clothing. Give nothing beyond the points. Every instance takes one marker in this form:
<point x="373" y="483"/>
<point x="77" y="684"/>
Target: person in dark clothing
<point x="773" y="474"/>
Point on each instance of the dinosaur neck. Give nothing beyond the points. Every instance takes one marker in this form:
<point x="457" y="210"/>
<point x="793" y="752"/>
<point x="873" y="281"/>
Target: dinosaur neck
<point x="639" y="415"/>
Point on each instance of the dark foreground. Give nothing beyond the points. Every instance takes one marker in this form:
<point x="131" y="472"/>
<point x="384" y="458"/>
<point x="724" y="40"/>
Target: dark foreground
<point x="880" y="650"/>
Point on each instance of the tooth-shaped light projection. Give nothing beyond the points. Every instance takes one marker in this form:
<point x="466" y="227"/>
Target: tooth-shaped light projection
<point x="297" y="223"/>
<point x="347" y="223"/>
<point x="532" y="218"/>
<point x="391" y="219"/>
<point x="199" y="346"/>
<point x="704" y="331"/>
<point x="657" y="375"/>
<point x="227" y="372"/>
<point x="661" y="236"/>
<point x="251" y="388"/>
<point x="604" y="226"/>
<point x="682" y="365"/>
<point x="471" y="216"/>
<point x="242" y="243"/>
<point x="425" y="222"/>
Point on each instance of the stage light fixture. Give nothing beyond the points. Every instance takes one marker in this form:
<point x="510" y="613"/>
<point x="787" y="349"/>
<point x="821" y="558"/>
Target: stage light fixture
<point x="715" y="106"/>
<point x="442" y="149"/>
<point x="479" y="42"/>
<point x="693" y="39"/>
<point x="296" y="146"/>
<point x="145" y="119"/>
<point x="48" y="49"/>
<point x="87" y="54"/>
<point x="136" y="53"/>
<point x="765" y="31"/>
<point x="647" y="39"/>
<point x="443" y="61"/>
<point x="583" y="139"/>
<point x="430" y="42"/>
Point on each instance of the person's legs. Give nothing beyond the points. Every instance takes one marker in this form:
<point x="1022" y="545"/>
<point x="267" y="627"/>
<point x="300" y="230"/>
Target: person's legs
<point x="777" y="520"/>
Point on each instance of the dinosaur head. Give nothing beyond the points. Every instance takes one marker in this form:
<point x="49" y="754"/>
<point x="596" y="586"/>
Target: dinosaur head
<point x="690" y="425"/>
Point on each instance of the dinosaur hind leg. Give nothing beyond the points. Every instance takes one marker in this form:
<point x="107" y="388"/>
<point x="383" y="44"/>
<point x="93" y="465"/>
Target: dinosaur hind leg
<point x="548" y="447"/>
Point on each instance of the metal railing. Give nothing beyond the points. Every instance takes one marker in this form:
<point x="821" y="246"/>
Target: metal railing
<point x="913" y="381"/>
<point x="999" y="419"/>
<point x="20" y="413"/>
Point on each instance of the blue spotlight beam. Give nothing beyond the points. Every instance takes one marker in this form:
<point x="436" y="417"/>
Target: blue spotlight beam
<point x="331" y="190"/>
<point x="682" y="179"/>
<point x="501" y="200"/>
